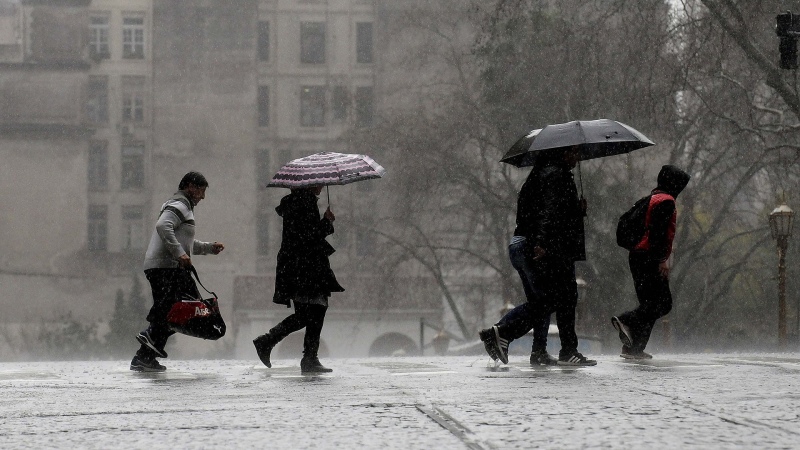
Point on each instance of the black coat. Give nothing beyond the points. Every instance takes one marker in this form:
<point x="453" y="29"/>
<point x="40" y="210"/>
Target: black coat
<point x="303" y="266"/>
<point x="549" y="213"/>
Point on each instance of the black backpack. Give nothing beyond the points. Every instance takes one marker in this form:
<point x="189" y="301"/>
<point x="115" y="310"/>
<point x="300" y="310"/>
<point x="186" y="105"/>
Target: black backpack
<point x="631" y="226"/>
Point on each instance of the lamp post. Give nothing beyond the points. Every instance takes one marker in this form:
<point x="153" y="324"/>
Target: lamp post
<point x="780" y="223"/>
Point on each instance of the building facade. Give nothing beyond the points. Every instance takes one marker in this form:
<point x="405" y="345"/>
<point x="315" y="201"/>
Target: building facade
<point x="114" y="100"/>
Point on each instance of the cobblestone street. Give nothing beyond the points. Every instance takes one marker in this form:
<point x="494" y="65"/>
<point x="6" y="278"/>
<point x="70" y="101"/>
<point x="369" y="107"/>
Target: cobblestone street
<point x="687" y="400"/>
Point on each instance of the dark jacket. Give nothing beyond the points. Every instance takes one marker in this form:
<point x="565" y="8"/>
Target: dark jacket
<point x="549" y="213"/>
<point x="661" y="214"/>
<point x="303" y="266"/>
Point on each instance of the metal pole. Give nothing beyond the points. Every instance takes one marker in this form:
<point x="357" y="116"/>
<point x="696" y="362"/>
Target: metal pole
<point x="782" y="245"/>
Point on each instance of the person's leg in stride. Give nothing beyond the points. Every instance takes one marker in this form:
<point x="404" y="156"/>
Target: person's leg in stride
<point x="266" y="342"/>
<point x="655" y="301"/>
<point x="315" y="318"/>
<point x="564" y="292"/>
<point x="517" y="322"/>
<point x="166" y="286"/>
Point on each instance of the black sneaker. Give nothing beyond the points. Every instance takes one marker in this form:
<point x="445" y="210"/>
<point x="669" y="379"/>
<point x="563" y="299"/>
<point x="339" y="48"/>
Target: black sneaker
<point x="624" y="331"/>
<point x="496" y="346"/>
<point x="542" y="358"/>
<point x="144" y="338"/>
<point x="628" y="354"/>
<point x="575" y="359"/>
<point x="146" y="365"/>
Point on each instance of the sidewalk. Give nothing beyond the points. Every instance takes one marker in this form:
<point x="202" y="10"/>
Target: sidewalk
<point x="687" y="400"/>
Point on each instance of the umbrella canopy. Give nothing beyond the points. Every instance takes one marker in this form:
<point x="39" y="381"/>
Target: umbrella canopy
<point x="325" y="169"/>
<point x="595" y="139"/>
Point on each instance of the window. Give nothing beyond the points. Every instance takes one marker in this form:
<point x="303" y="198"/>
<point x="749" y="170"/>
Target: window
<point x="98" y="37"/>
<point x="97" y="99"/>
<point x="97" y="228"/>
<point x="133" y="98"/>
<point x="263" y="41"/>
<point x="263" y="106"/>
<point x="365" y="106"/>
<point x="132" y="227"/>
<point x="312" y="106"/>
<point x="264" y="172"/>
<point x="98" y="166"/>
<point x="312" y="42"/>
<point x="340" y="103"/>
<point x="132" y="166"/>
<point x="364" y="42"/>
<point x="133" y="37"/>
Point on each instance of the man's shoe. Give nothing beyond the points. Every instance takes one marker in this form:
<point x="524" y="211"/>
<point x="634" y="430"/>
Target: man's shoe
<point x="312" y="365"/>
<point x="624" y="331"/>
<point x="146" y="365"/>
<point x="628" y="354"/>
<point x="144" y="338"/>
<point x="575" y="359"/>
<point x="264" y="345"/>
<point x="542" y="358"/>
<point x="496" y="347"/>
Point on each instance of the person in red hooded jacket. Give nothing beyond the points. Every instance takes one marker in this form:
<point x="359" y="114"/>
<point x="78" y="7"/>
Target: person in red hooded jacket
<point x="649" y="266"/>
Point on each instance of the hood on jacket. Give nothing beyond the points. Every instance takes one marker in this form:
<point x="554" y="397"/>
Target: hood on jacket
<point x="672" y="180"/>
<point x="297" y="196"/>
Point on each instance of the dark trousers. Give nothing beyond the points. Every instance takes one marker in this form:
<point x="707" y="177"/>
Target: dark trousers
<point x="655" y="299"/>
<point x="168" y="286"/>
<point x="310" y="316"/>
<point x="550" y="287"/>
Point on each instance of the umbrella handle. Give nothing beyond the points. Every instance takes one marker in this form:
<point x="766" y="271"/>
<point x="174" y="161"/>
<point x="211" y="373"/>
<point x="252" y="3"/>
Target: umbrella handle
<point x="328" y="190"/>
<point x="580" y="179"/>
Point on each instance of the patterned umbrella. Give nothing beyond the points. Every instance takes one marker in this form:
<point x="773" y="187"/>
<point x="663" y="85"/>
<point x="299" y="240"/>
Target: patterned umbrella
<point x="325" y="169"/>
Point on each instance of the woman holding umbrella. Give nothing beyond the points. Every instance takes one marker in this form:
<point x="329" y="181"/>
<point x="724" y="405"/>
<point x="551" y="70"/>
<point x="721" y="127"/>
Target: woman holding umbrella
<point x="303" y="276"/>
<point x="303" y="273"/>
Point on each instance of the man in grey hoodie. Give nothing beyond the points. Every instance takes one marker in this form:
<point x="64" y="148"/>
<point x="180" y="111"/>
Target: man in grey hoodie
<point x="168" y="257"/>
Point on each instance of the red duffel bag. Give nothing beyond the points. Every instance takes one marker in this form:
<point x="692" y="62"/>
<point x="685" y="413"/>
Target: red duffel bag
<point x="197" y="317"/>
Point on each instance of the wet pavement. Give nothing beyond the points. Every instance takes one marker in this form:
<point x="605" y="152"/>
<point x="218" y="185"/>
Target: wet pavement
<point x="686" y="400"/>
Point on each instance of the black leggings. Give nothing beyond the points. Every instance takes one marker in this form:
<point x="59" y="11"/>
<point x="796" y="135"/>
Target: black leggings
<point x="308" y="316"/>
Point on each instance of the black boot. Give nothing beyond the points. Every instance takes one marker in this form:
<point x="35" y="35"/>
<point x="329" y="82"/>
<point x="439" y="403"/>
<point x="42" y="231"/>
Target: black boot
<point x="311" y="364"/>
<point x="264" y="345"/>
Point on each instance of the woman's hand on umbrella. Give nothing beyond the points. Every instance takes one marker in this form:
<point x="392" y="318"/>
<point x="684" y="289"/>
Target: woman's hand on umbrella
<point x="329" y="214"/>
<point x="538" y="252"/>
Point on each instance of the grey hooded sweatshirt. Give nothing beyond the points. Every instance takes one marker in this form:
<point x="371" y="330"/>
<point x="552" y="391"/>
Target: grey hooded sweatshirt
<point x="174" y="235"/>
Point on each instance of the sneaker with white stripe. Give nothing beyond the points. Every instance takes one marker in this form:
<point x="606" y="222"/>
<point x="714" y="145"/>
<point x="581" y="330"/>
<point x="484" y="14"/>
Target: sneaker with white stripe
<point x="496" y="346"/>
<point x="575" y="359"/>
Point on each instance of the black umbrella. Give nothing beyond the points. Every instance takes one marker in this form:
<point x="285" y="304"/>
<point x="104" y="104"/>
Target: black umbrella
<point x="594" y="138"/>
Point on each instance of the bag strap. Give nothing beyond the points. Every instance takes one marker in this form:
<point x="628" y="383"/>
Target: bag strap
<point x="197" y="277"/>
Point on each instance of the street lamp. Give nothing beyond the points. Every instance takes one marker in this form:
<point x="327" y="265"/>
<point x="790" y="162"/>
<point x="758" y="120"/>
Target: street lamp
<point x="780" y="223"/>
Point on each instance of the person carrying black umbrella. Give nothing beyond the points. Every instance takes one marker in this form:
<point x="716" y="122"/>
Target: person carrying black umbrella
<point x="303" y="276"/>
<point x="548" y="239"/>
<point x="648" y="261"/>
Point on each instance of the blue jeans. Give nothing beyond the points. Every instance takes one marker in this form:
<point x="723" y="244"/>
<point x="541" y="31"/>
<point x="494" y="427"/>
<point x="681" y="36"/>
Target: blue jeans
<point x="549" y="284"/>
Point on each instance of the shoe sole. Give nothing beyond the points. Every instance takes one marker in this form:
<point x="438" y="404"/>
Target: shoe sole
<point x="623" y="336"/>
<point x="500" y="354"/>
<point x="147" y="343"/>
<point x="488" y="344"/>
<point x="577" y="364"/>
<point x="635" y="357"/>
<point x="146" y="369"/>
